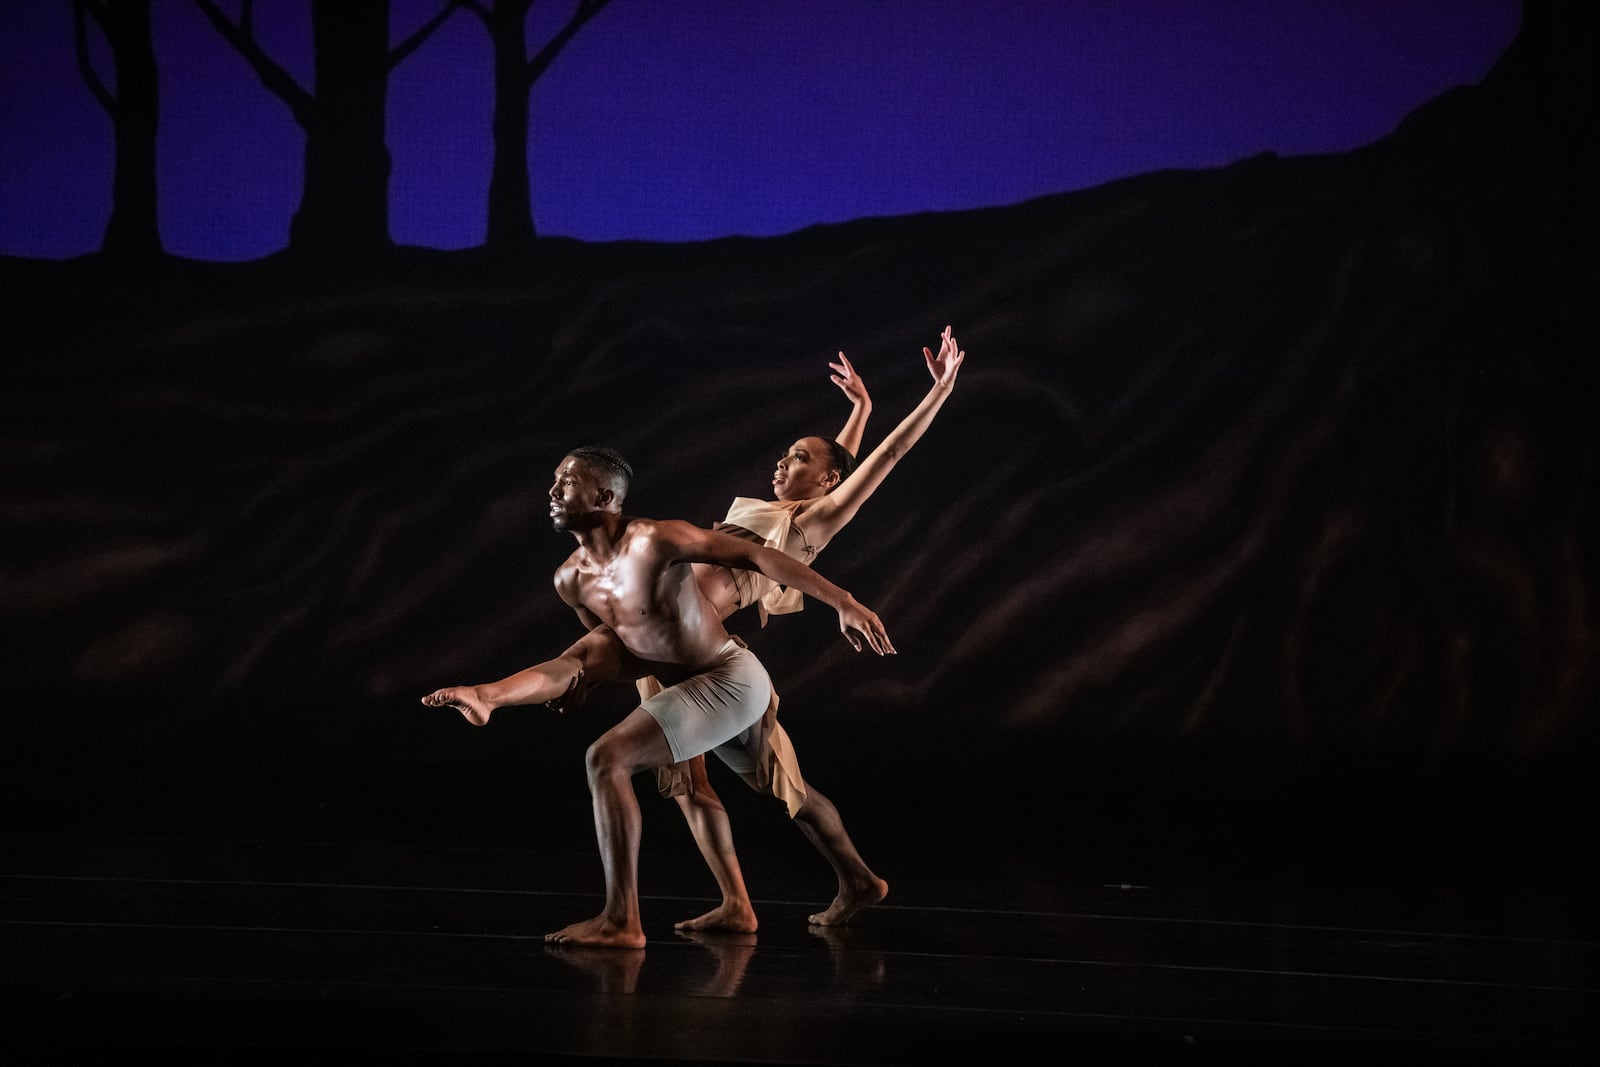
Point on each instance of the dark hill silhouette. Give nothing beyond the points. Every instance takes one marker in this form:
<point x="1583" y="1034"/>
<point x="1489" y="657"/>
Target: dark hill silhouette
<point x="1255" y="477"/>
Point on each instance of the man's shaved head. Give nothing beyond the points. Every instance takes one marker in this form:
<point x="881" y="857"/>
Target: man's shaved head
<point x="609" y="466"/>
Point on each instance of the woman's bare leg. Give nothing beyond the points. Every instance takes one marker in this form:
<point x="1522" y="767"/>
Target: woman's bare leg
<point x="859" y="888"/>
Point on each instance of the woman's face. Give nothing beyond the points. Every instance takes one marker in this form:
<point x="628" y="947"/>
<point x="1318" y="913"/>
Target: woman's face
<point x="804" y="472"/>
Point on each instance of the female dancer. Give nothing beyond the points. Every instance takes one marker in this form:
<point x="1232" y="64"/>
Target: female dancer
<point x="818" y="490"/>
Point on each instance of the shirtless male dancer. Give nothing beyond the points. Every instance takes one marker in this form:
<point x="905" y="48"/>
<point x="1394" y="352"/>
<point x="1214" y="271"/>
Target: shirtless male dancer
<point x="631" y="582"/>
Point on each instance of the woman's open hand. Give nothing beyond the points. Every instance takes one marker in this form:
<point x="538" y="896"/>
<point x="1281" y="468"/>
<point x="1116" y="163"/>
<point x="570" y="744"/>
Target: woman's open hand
<point x="947" y="363"/>
<point x="850" y="383"/>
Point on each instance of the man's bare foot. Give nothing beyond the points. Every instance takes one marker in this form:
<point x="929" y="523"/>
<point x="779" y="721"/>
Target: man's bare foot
<point x="598" y="932"/>
<point x="851" y="900"/>
<point x="464" y="698"/>
<point x="725" y="918"/>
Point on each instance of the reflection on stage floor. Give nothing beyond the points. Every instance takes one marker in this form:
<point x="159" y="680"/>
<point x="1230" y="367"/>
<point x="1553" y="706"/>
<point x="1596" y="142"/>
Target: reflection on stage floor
<point x="225" y="950"/>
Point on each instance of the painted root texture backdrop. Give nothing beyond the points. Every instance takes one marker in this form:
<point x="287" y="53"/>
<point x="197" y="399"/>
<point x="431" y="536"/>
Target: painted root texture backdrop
<point x="1254" y="472"/>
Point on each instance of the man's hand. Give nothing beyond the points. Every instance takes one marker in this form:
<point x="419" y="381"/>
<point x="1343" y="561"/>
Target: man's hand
<point x="947" y="363"/>
<point x="854" y="616"/>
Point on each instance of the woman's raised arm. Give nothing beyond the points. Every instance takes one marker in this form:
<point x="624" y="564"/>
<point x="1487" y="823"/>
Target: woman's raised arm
<point x="850" y="383"/>
<point x="830" y="514"/>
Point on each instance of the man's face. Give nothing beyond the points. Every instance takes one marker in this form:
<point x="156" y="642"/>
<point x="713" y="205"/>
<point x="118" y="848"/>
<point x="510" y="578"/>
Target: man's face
<point x="804" y="472"/>
<point x="576" y="495"/>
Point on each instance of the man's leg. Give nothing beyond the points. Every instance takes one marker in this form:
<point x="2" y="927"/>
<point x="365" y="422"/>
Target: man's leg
<point x="713" y="834"/>
<point x="634" y="744"/>
<point x="859" y="888"/>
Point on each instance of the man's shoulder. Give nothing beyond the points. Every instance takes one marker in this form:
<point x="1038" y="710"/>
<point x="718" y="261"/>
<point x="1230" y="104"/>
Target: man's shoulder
<point x="640" y="528"/>
<point x="566" y="572"/>
<point x="660" y="541"/>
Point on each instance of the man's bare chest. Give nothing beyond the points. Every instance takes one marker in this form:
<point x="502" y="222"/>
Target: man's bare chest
<point x="623" y="592"/>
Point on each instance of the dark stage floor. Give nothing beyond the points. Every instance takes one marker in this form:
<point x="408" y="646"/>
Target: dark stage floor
<point x="226" y="949"/>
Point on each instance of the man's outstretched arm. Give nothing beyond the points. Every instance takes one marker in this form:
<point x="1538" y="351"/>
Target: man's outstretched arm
<point x="693" y="544"/>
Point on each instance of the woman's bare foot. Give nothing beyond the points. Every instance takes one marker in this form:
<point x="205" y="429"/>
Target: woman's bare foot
<point x="598" y="932"/>
<point x="465" y="699"/>
<point x="851" y="899"/>
<point x="727" y="917"/>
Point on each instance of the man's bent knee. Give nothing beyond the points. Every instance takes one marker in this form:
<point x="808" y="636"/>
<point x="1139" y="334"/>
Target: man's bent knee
<point x="633" y="745"/>
<point x="606" y="758"/>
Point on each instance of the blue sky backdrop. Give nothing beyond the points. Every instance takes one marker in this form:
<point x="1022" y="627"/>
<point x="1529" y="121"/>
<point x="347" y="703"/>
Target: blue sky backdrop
<point x="681" y="120"/>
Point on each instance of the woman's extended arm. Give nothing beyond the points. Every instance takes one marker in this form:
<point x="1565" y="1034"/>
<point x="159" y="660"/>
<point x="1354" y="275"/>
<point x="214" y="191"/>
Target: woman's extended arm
<point x="850" y="383"/>
<point x="830" y="514"/>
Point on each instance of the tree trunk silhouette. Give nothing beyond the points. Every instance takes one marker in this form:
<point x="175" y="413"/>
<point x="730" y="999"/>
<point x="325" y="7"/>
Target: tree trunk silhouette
<point x="510" y="225"/>
<point x="344" y="202"/>
<point x="133" y="231"/>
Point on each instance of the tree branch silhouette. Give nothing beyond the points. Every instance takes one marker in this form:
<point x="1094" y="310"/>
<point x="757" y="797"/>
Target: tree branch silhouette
<point x="242" y="37"/>
<point x="80" y="37"/>
<point x="419" y="38"/>
<point x="587" y="9"/>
